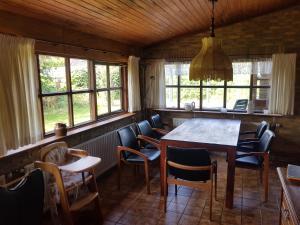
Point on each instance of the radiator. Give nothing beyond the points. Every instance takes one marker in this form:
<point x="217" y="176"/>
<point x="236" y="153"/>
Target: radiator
<point x="178" y="121"/>
<point x="103" y="147"/>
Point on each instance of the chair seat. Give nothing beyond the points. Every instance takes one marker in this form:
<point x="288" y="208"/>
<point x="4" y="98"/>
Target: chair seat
<point x="150" y="146"/>
<point x="251" y="161"/>
<point x="152" y="155"/>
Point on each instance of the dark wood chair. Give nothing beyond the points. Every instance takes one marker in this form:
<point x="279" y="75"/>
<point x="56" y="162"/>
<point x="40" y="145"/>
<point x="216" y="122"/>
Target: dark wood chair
<point x="190" y="167"/>
<point x="256" y="134"/>
<point x="23" y="203"/>
<point x="156" y="122"/>
<point x="144" y="128"/>
<point x="256" y="155"/>
<point x="130" y="152"/>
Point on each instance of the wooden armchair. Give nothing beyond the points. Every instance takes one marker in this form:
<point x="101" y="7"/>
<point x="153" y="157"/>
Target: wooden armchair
<point x="67" y="170"/>
<point x="256" y="135"/>
<point x="256" y="156"/>
<point x="157" y="123"/>
<point x="130" y="152"/>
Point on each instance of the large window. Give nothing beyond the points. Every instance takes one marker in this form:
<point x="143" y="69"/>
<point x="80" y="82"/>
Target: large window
<point x="73" y="93"/>
<point x="251" y="81"/>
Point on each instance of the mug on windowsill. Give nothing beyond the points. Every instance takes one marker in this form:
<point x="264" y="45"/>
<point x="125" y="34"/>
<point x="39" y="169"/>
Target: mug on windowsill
<point x="60" y="129"/>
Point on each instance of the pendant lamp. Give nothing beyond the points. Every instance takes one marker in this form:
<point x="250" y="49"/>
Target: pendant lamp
<point x="211" y="63"/>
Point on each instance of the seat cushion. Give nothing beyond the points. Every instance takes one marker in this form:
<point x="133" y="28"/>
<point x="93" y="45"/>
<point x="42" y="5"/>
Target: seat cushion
<point x="251" y="161"/>
<point x="152" y="155"/>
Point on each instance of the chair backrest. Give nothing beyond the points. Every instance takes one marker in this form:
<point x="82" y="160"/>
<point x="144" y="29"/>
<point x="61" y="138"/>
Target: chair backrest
<point x="261" y="128"/>
<point x="128" y="139"/>
<point x="55" y="153"/>
<point x="23" y="204"/>
<point x="265" y="141"/>
<point x="241" y="104"/>
<point x="144" y="128"/>
<point x="189" y="157"/>
<point x="156" y="121"/>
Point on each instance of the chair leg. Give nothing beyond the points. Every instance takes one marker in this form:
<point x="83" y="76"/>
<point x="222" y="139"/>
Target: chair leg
<point x="266" y="176"/>
<point x="119" y="174"/>
<point x="261" y="175"/>
<point x="211" y="199"/>
<point x="165" y="191"/>
<point x="216" y="179"/>
<point x="147" y="176"/>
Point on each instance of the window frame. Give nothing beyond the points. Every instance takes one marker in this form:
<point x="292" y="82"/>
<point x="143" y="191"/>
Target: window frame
<point x="92" y="91"/>
<point x="201" y="86"/>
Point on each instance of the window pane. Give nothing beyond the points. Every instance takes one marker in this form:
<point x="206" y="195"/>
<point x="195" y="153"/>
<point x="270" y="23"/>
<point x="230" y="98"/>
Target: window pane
<point x="79" y="74"/>
<point x="52" y="73"/>
<point x="189" y="95"/>
<point x="260" y="97"/>
<point x="81" y="108"/>
<point x="212" y="98"/>
<point x="101" y="76"/>
<point x="234" y="94"/>
<point x="170" y="76"/>
<point x="115" y="100"/>
<point x="212" y="83"/>
<point x="102" y="102"/>
<point x="240" y="80"/>
<point x="115" y="76"/>
<point x="55" y="111"/>
<point x="184" y="79"/>
<point x="261" y="80"/>
<point x="171" y="97"/>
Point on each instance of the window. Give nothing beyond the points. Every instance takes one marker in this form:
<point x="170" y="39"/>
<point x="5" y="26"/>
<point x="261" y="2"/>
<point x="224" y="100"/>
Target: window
<point x="251" y="81"/>
<point x="68" y="91"/>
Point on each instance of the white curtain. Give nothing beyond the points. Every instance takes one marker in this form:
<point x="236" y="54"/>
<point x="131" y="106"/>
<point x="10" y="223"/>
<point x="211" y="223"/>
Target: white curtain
<point x="20" y="114"/>
<point x="155" y="84"/>
<point x="283" y="84"/>
<point x="260" y="67"/>
<point x="134" y="97"/>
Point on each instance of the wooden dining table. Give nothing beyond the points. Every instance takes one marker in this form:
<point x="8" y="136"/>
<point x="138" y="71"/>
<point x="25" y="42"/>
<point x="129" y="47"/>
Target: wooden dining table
<point x="211" y="134"/>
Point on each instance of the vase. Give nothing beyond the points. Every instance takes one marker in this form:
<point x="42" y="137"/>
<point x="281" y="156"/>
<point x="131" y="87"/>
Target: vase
<point x="60" y="129"/>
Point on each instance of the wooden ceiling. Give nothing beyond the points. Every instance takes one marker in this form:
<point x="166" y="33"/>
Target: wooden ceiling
<point x="141" y="22"/>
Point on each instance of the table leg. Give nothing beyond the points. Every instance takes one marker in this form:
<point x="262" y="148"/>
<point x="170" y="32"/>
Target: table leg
<point x="230" y="177"/>
<point x="163" y="152"/>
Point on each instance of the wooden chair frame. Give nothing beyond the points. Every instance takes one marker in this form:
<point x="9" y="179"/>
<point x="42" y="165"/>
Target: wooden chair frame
<point x="193" y="184"/>
<point x="53" y="169"/>
<point x="263" y="170"/>
<point x="121" y="159"/>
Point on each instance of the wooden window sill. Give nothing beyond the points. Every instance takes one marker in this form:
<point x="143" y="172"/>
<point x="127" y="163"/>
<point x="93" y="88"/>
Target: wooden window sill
<point x="70" y="133"/>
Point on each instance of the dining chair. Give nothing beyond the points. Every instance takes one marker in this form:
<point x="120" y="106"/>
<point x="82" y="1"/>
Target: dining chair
<point x="130" y="152"/>
<point x="190" y="167"/>
<point x="256" y="155"/>
<point x="261" y="128"/>
<point x="144" y="128"/>
<point x="156" y="122"/>
<point x="71" y="190"/>
<point x="23" y="203"/>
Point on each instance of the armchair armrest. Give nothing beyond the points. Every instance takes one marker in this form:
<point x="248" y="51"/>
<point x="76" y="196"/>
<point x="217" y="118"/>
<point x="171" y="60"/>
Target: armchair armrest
<point x="77" y="153"/>
<point x="123" y="148"/>
<point x="247" y="132"/>
<point x="252" y="154"/>
<point x="150" y="140"/>
<point x="160" y="131"/>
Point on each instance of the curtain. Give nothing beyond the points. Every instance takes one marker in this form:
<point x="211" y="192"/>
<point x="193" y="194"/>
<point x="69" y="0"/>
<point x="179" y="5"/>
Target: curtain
<point x="177" y="68"/>
<point x="155" y="84"/>
<point x="283" y="84"/>
<point x="134" y="97"/>
<point x="20" y="114"/>
<point x="260" y="67"/>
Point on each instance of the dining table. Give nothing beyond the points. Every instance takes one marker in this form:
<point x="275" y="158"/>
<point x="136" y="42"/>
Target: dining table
<point x="211" y="134"/>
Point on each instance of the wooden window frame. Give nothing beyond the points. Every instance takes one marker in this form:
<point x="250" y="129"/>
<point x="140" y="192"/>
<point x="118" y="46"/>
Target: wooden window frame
<point x="201" y="86"/>
<point x="92" y="91"/>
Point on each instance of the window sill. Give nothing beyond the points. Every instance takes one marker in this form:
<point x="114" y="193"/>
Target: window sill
<point x="70" y="133"/>
<point x="218" y="112"/>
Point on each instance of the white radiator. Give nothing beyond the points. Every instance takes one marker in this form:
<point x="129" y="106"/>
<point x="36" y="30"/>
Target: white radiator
<point x="103" y="147"/>
<point x="178" y="121"/>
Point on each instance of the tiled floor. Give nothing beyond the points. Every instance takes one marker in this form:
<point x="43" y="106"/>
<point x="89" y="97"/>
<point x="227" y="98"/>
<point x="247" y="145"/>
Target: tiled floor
<point x="133" y="206"/>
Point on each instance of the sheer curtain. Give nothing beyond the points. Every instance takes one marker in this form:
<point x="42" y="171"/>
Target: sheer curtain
<point x="155" y="84"/>
<point x="283" y="84"/>
<point x="20" y="114"/>
<point x="134" y="97"/>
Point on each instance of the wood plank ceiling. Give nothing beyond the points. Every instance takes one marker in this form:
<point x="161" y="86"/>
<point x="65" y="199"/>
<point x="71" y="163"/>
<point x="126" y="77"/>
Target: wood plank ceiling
<point x="141" y="22"/>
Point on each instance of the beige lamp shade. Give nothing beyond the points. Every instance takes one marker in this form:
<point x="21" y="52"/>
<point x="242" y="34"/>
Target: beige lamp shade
<point x="211" y="63"/>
